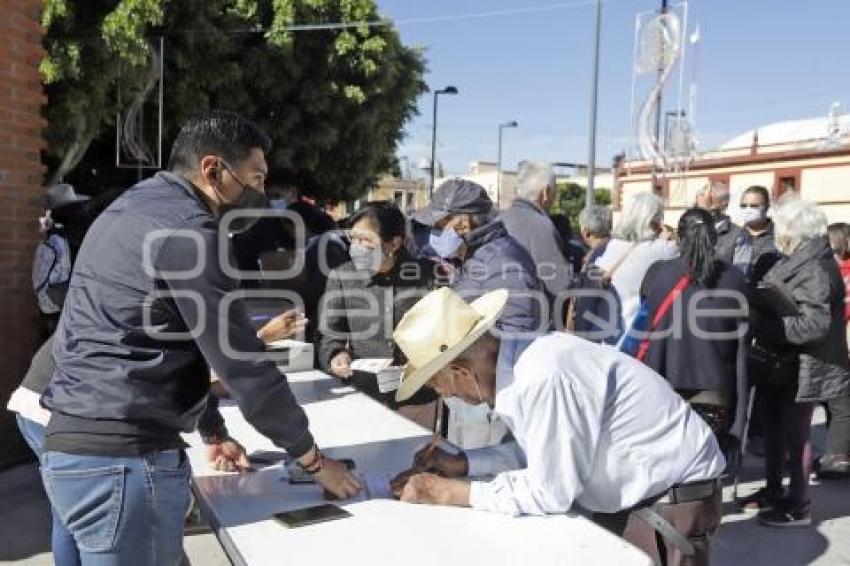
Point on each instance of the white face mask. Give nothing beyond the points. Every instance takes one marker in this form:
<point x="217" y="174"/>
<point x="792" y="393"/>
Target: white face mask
<point x="365" y="258"/>
<point x="750" y="215"/>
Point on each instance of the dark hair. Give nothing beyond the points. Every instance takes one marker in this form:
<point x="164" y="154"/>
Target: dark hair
<point x="758" y="190"/>
<point x="839" y="234"/>
<point x="697" y="241"/>
<point x="385" y="215"/>
<point x="219" y="132"/>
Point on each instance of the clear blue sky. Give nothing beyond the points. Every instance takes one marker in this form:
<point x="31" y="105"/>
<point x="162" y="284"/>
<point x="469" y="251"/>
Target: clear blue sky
<point x="760" y="61"/>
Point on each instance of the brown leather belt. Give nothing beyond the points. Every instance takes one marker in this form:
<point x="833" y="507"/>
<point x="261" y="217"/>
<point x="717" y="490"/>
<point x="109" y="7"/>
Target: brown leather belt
<point x="684" y="493"/>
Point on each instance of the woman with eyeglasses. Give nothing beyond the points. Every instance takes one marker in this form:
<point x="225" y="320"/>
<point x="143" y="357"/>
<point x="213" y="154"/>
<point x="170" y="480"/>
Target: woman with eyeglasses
<point x="367" y="297"/>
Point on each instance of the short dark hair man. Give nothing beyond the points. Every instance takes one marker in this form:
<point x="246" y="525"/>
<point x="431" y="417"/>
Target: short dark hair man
<point x="144" y="317"/>
<point x="750" y="248"/>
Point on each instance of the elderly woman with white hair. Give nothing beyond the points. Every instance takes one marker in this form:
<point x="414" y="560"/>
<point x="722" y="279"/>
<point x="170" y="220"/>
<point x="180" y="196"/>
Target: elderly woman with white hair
<point x="806" y="355"/>
<point x="633" y="248"/>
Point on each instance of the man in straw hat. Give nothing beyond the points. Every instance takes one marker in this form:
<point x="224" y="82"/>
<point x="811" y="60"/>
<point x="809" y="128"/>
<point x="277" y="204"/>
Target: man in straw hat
<point x="592" y="425"/>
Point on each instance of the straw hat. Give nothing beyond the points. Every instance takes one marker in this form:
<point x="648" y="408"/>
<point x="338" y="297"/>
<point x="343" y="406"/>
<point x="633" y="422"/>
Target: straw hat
<point x="438" y="328"/>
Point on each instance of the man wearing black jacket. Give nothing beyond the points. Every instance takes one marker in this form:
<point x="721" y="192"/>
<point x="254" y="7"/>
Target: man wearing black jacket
<point x="151" y="305"/>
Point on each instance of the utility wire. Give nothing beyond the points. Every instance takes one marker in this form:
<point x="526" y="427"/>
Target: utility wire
<point x="410" y="21"/>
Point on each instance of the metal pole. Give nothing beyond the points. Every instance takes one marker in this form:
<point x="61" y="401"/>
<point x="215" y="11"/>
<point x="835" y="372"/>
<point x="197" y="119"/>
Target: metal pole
<point x="161" y="98"/>
<point x="594" y="97"/>
<point x="433" y="147"/>
<point x="499" y="170"/>
<point x="658" y="98"/>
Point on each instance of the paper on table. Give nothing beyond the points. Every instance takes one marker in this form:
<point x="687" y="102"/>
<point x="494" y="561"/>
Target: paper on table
<point x="371" y="365"/>
<point x="389" y="379"/>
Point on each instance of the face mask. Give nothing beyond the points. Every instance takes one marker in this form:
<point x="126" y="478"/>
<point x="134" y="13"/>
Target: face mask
<point x="278" y="203"/>
<point x="250" y="198"/>
<point x="751" y="215"/>
<point x="366" y="259"/>
<point x="445" y="242"/>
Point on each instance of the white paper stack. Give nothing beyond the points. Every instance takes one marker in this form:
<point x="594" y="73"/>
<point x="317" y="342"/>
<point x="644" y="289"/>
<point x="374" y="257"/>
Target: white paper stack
<point x="292" y="355"/>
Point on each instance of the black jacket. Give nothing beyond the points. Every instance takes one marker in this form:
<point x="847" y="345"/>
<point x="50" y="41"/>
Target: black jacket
<point x="727" y="234"/>
<point x="359" y="312"/>
<point x="149" y="267"/>
<point x="765" y="255"/>
<point x="818" y="332"/>
<point x="589" y="303"/>
<point x="686" y="359"/>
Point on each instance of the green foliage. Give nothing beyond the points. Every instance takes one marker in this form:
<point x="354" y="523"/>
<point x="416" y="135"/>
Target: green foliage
<point x="570" y="200"/>
<point x="333" y="101"/>
<point x="91" y="47"/>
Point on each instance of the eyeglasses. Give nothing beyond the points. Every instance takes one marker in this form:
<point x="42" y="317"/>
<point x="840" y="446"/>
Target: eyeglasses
<point x="364" y="238"/>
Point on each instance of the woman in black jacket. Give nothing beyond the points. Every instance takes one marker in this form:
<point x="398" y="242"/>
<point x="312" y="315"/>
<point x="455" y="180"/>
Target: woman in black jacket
<point x="819" y="370"/>
<point x="703" y="357"/>
<point x="366" y="298"/>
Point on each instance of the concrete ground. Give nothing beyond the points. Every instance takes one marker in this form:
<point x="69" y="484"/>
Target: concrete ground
<point x="24" y="525"/>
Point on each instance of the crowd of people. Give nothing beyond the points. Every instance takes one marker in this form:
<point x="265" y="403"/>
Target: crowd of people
<point x="611" y="370"/>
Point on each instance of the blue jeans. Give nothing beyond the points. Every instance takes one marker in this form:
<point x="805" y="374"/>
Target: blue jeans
<point x="122" y="511"/>
<point x="61" y="542"/>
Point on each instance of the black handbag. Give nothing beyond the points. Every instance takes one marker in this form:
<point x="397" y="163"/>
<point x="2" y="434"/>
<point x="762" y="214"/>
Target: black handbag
<point x="769" y="368"/>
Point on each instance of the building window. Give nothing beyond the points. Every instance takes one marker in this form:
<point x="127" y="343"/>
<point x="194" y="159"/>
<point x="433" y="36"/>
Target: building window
<point x="787" y="181"/>
<point x="398" y="198"/>
<point x="411" y="203"/>
<point x="787" y="184"/>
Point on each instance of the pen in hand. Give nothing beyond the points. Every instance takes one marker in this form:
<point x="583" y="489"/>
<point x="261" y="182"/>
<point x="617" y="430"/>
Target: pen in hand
<point x="423" y="456"/>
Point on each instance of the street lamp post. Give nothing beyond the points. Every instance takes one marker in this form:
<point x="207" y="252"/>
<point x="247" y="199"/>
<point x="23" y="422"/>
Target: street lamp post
<point x="511" y="124"/>
<point x="447" y="90"/>
<point x="594" y="97"/>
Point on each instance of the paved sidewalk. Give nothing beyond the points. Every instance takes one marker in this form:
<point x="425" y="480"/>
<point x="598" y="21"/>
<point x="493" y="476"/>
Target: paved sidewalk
<point x="25" y="520"/>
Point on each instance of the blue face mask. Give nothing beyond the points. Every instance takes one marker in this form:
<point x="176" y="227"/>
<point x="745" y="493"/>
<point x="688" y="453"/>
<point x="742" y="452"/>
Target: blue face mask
<point x="445" y="242"/>
<point x="278" y="203"/>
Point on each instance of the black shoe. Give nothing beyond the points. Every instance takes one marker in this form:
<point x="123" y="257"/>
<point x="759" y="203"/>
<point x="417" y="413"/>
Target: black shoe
<point x="787" y="515"/>
<point x="834" y="467"/>
<point x="761" y="500"/>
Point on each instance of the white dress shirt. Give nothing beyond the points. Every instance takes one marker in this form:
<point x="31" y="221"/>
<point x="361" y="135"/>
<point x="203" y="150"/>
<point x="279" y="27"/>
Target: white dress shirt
<point x="629" y="275"/>
<point x="592" y="426"/>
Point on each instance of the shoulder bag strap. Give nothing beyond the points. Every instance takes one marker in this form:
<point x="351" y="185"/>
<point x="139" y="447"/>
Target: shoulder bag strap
<point x="609" y="275"/>
<point x="668" y="301"/>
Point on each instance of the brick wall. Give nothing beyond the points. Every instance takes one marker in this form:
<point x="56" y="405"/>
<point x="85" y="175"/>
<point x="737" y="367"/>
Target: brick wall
<point x="21" y="176"/>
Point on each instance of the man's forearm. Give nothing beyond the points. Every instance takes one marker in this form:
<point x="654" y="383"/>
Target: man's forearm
<point x="211" y="424"/>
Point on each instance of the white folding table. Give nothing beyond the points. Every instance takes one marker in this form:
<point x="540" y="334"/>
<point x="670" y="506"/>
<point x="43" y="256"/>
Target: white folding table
<point x="348" y="424"/>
